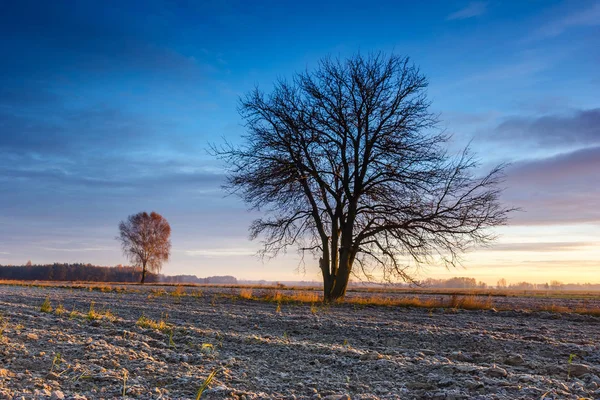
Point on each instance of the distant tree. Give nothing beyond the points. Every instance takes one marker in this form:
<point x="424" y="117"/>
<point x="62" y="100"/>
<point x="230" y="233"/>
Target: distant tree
<point x="556" y="285"/>
<point x="28" y="263"/>
<point x="347" y="162"/>
<point x="145" y="240"/>
<point x="501" y="284"/>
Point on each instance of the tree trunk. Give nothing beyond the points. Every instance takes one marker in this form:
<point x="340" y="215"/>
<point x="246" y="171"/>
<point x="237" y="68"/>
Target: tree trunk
<point x="327" y="278"/>
<point x="339" y="282"/>
<point x="143" y="274"/>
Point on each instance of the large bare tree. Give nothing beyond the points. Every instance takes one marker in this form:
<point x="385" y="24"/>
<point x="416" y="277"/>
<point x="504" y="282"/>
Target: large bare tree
<point x="145" y="240"/>
<point x="346" y="161"/>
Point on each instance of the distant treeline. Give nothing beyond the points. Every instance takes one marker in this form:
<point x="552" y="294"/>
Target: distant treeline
<point x="94" y="273"/>
<point x="472" y="283"/>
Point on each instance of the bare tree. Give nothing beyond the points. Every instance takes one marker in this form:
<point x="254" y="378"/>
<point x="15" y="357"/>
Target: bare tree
<point x="145" y="240"/>
<point x="347" y="162"/>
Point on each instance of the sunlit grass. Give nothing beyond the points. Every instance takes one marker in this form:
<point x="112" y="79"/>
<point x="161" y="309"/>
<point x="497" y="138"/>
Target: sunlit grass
<point x="178" y="292"/>
<point x="205" y="384"/>
<point x="94" y="315"/>
<point x="46" y="307"/>
<point x="161" y="325"/>
<point x="60" y="310"/>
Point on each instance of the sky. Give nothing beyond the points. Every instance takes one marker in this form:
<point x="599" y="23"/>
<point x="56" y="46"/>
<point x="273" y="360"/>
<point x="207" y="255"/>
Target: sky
<point x="108" y="108"/>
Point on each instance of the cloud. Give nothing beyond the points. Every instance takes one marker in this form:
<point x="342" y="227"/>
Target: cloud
<point x="580" y="18"/>
<point x="562" y="189"/>
<point x="60" y="130"/>
<point x="541" y="246"/>
<point x="71" y="250"/>
<point x="473" y="9"/>
<point x="167" y="178"/>
<point x="222" y="252"/>
<point x="581" y="127"/>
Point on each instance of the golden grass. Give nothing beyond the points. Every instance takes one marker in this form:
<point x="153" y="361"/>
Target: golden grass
<point x="469" y="299"/>
<point x="148" y="323"/>
<point x="278" y="296"/>
<point x="60" y="310"/>
<point x="93" y="314"/>
<point x="581" y="309"/>
<point x="458" y="302"/>
<point x="46" y="307"/>
<point x="383" y="289"/>
<point x="178" y="292"/>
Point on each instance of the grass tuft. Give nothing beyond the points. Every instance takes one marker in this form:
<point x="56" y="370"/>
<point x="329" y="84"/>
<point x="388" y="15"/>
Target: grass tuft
<point x="94" y="315"/>
<point x="60" y="310"/>
<point x="178" y="292"/>
<point x="148" y="323"/>
<point x="205" y="384"/>
<point x="46" y="307"/>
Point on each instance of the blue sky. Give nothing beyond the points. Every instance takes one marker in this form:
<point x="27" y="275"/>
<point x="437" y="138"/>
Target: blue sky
<point x="107" y="109"/>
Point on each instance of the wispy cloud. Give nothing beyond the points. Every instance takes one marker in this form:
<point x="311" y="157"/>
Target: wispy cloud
<point x="557" y="190"/>
<point x="222" y="252"/>
<point x="581" y="18"/>
<point x="75" y="250"/>
<point x="542" y="246"/>
<point x="4" y="253"/>
<point x="577" y="128"/>
<point x="473" y="9"/>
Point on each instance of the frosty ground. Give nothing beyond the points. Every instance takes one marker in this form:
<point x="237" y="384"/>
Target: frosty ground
<point x="284" y="350"/>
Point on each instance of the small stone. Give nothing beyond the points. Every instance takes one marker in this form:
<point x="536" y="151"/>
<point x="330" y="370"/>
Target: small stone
<point x="578" y="369"/>
<point x="428" y="352"/>
<point x="460" y="356"/>
<point x="445" y="382"/>
<point x="32" y="336"/>
<point x="57" y="395"/>
<point x="497" y="372"/>
<point x="52" y="376"/>
<point x="514" y="360"/>
<point x="370" y="356"/>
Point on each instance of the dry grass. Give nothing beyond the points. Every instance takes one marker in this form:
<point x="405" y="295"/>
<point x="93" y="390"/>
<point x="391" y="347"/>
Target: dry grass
<point x="470" y="299"/>
<point x="148" y="323"/>
<point x="305" y="297"/>
<point x="93" y="314"/>
<point x="178" y="292"/>
<point x="277" y="296"/>
<point x="46" y="307"/>
<point x="353" y="288"/>
<point x="60" y="310"/>
<point x="458" y="302"/>
<point x="584" y="309"/>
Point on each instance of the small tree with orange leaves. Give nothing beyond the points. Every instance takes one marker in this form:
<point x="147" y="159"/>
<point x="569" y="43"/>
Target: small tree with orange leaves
<point x="145" y="240"/>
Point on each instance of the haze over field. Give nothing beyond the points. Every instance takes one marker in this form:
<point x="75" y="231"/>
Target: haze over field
<point x="105" y="112"/>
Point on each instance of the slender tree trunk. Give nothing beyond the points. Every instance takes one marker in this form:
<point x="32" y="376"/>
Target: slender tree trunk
<point x="328" y="282"/>
<point x="143" y="273"/>
<point x="344" y="264"/>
